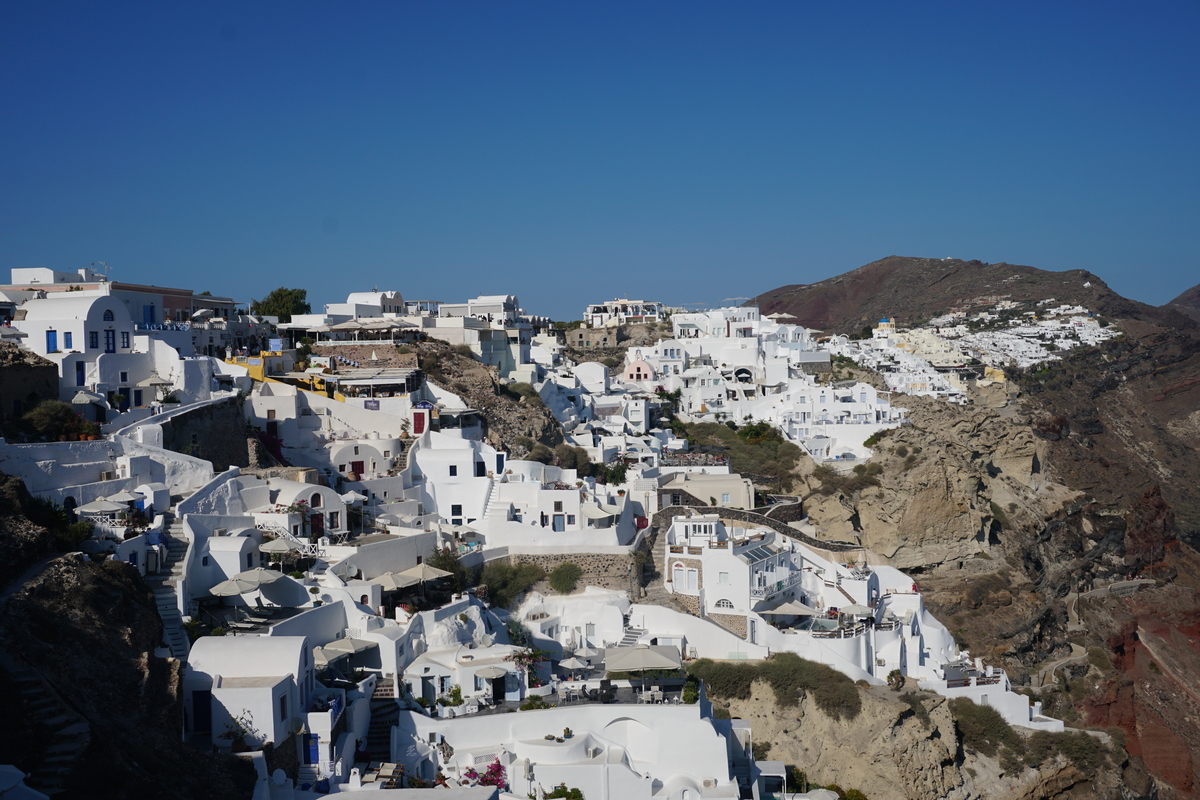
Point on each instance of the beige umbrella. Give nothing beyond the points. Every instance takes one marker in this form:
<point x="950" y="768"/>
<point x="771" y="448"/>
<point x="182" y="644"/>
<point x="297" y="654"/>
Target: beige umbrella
<point x="100" y="506"/>
<point x="258" y="577"/>
<point x="792" y="607"/>
<point x="391" y="582"/>
<point x="586" y="652"/>
<point x="323" y="657"/>
<point x="350" y="646"/>
<point x="277" y="546"/>
<point x="857" y="611"/>
<point x="491" y="673"/>
<point x="641" y="657"/>
<point x="124" y="496"/>
<point x="424" y="572"/>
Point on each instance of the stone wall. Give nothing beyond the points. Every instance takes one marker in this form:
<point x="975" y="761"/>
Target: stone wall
<point x="214" y="432"/>
<point x="608" y="571"/>
<point x="730" y="622"/>
<point x="26" y="379"/>
<point x="662" y="520"/>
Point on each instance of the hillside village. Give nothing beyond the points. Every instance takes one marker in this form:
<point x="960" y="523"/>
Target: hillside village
<point x="356" y="560"/>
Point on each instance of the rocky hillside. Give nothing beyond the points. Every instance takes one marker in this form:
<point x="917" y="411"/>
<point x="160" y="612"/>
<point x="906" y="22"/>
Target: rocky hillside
<point x="908" y="745"/>
<point x="915" y="289"/>
<point x="102" y="712"/>
<point x="1187" y="303"/>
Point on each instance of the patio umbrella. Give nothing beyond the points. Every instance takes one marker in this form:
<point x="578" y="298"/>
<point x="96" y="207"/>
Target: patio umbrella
<point x="463" y="530"/>
<point x="323" y="657"/>
<point x="857" y="611"/>
<point x="491" y="673"/>
<point x="277" y="546"/>
<point x="100" y="506"/>
<point x="423" y="573"/>
<point x="350" y="646"/>
<point x="573" y="664"/>
<point x="124" y="496"/>
<point x="257" y="577"/>
<point x="586" y="652"/>
<point x="792" y="607"/>
<point x="391" y="582"/>
<point x="640" y="658"/>
<point x="353" y="497"/>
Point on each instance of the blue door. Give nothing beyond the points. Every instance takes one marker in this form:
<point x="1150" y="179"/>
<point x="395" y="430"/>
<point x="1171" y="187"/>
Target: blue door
<point x="110" y="341"/>
<point x="312" y="752"/>
<point x="51" y="341"/>
<point x="80" y="373"/>
<point x="148" y="314"/>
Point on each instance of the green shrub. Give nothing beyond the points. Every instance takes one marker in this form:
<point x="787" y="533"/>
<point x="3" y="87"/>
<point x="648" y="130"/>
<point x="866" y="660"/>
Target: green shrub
<point x="506" y="582"/>
<point x="982" y="728"/>
<point x="917" y="704"/>
<point x="523" y="441"/>
<point x="565" y="577"/>
<point x="463" y="350"/>
<point x="788" y="675"/>
<point x="534" y="703"/>
<point x="541" y="453"/>
<point x="1099" y="659"/>
<point x="760" y="750"/>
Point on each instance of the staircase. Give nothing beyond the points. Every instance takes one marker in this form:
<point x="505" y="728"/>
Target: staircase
<point x="846" y="594"/>
<point x="164" y="586"/>
<point x="70" y="732"/>
<point x="401" y="460"/>
<point x="307" y="776"/>
<point x="632" y="635"/>
<point x="385" y="713"/>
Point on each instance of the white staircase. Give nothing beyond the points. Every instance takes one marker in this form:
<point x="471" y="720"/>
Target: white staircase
<point x="164" y="585"/>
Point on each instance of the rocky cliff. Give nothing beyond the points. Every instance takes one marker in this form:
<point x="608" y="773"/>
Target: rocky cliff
<point x="893" y="750"/>
<point x="78" y="646"/>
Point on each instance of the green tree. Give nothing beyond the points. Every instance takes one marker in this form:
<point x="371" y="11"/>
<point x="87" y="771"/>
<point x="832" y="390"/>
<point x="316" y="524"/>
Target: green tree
<point x="54" y="418"/>
<point x="282" y="303"/>
<point x="450" y="561"/>
<point x="565" y="577"/>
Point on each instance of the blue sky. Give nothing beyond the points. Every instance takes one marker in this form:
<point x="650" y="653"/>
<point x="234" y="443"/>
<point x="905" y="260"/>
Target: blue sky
<point x="570" y="152"/>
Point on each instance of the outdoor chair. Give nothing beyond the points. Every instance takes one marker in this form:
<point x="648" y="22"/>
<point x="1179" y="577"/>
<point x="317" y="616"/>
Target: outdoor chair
<point x="262" y="608"/>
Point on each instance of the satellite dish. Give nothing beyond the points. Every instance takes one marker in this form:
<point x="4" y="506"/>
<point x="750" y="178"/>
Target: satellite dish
<point x="278" y="777"/>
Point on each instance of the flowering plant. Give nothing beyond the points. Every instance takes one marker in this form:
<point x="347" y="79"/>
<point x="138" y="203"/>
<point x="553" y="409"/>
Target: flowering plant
<point x="493" y="776"/>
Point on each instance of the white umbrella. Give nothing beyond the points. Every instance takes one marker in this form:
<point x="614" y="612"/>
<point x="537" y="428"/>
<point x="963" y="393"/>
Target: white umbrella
<point x="124" y="496"/>
<point x="857" y="611"/>
<point x="323" y="657"/>
<point x="586" y="652"/>
<point x="572" y="664"/>
<point x="792" y="607"/>
<point x="491" y="673"/>
<point x="100" y="506"/>
<point x="277" y="546"/>
<point x="258" y="576"/>
<point x="353" y="497"/>
<point x="463" y="530"/>
<point x="350" y="646"/>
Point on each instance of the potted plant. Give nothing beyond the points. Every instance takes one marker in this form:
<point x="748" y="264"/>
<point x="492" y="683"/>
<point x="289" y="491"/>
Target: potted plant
<point x="567" y="734"/>
<point x="236" y="731"/>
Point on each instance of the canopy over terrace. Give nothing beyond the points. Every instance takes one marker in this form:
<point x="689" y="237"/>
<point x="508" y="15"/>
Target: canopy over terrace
<point x="370" y="328"/>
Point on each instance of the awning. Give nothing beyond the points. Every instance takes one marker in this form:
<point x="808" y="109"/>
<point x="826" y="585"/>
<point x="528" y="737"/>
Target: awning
<point x="641" y="657"/>
<point x="594" y="512"/>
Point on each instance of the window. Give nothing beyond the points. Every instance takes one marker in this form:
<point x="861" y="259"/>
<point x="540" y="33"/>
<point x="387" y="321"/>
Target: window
<point x="456" y="510"/>
<point x="335" y="519"/>
<point x="387" y="453"/>
<point x="724" y="498"/>
<point x="341" y="467"/>
<point x="570" y="519"/>
<point x="453" y="470"/>
<point x="419" y="560"/>
<point x="108" y="316"/>
<point x="356" y="450"/>
<point x="558" y="505"/>
<point x="67" y="340"/>
<point x="124" y="377"/>
<point x="722" y="577"/>
<point x="723" y="603"/>
<point x="249" y="560"/>
<point x="270" y="413"/>
<point x="315" y="500"/>
<point x="283" y="707"/>
<point x="204" y="561"/>
<point x="125" y="340"/>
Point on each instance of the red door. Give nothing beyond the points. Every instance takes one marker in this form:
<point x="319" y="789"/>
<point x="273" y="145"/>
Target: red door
<point x="317" y="520"/>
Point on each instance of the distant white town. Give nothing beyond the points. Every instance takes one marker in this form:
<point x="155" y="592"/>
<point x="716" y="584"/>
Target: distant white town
<point x="370" y="476"/>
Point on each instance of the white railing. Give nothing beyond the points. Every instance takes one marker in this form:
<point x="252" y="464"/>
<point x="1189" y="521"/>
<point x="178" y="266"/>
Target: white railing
<point x="775" y="586"/>
<point x="305" y="548"/>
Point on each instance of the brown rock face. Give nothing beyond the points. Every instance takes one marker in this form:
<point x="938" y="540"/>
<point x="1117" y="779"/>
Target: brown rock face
<point x="1150" y="526"/>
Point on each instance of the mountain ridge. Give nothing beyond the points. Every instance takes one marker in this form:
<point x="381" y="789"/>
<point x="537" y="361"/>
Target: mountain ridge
<point x="912" y="289"/>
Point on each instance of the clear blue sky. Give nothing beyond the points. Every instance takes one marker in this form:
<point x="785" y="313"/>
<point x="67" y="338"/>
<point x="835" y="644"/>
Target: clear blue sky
<point x="569" y="152"/>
